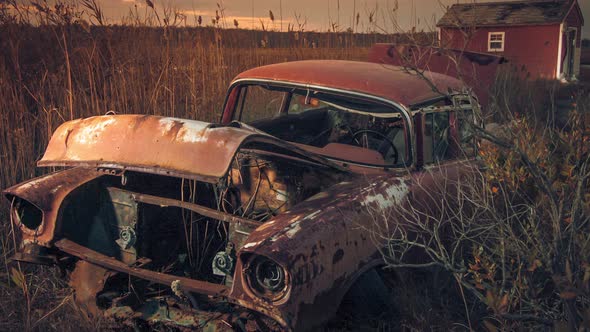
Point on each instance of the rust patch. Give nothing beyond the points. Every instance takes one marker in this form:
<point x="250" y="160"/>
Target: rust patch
<point x="152" y="144"/>
<point x="88" y="280"/>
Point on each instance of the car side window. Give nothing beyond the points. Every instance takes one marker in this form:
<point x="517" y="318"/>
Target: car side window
<point x="258" y="102"/>
<point x="342" y="127"/>
<point x="436" y="137"/>
<point x="465" y="123"/>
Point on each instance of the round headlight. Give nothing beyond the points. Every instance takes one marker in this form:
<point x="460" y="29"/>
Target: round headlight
<point x="26" y="214"/>
<point x="266" y="278"/>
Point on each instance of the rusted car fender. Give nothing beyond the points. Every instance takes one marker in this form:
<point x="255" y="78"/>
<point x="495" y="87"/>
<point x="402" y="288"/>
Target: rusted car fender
<point x="325" y="244"/>
<point x="48" y="194"/>
<point x="329" y="241"/>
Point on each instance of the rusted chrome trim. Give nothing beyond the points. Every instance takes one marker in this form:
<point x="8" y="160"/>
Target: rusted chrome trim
<point x="186" y="284"/>
<point x="207" y="212"/>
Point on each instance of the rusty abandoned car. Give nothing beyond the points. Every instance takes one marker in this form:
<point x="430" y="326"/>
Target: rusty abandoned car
<point x="253" y="223"/>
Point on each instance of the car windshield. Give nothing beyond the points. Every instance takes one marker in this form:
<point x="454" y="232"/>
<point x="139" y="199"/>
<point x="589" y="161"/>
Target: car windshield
<point x="337" y="126"/>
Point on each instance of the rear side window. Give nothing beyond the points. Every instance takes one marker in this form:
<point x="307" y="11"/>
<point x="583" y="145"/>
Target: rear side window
<point x="465" y="133"/>
<point x="436" y="137"/>
<point x="259" y="102"/>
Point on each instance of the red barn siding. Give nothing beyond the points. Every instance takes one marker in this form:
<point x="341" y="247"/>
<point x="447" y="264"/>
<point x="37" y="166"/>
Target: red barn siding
<point x="534" y="47"/>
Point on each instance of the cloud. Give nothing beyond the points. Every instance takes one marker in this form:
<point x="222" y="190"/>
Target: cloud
<point x="193" y="12"/>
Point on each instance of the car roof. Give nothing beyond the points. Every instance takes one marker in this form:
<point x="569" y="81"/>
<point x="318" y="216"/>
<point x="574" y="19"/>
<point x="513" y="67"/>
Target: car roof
<point x="385" y="81"/>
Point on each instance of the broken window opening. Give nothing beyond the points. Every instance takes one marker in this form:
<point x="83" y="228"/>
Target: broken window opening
<point x="339" y="127"/>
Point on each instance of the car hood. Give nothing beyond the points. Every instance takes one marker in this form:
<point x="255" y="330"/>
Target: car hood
<point x="162" y="145"/>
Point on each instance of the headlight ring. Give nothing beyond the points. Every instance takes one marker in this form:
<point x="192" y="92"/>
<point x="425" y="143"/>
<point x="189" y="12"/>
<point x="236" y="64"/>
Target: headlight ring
<point x="26" y="215"/>
<point x="266" y="279"/>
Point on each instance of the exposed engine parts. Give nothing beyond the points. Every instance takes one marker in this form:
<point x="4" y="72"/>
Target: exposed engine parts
<point x="137" y="222"/>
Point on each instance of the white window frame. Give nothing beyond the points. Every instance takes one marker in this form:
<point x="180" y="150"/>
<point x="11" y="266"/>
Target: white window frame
<point x="503" y="41"/>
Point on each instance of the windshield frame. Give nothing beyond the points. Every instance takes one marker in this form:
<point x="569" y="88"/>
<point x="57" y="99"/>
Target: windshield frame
<point x="399" y="109"/>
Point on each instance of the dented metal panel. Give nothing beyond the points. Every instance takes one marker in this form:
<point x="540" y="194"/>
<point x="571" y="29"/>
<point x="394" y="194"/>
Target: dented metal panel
<point x="88" y="280"/>
<point x="326" y="242"/>
<point x="168" y="146"/>
<point x="149" y="142"/>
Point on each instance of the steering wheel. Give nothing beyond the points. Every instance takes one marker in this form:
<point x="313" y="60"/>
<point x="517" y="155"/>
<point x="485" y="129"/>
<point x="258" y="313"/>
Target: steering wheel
<point x="380" y="135"/>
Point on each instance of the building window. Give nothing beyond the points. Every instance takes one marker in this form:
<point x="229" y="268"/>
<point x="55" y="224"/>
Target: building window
<point x="496" y="41"/>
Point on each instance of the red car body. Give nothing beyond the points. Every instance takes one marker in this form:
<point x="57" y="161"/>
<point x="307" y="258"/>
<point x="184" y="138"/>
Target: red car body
<point x="262" y="221"/>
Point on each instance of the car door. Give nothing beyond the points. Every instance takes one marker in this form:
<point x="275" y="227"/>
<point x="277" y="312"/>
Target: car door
<point x="446" y="150"/>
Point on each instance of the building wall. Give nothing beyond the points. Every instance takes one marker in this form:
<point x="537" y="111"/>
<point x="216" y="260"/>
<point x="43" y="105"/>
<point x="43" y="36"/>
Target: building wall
<point x="533" y="49"/>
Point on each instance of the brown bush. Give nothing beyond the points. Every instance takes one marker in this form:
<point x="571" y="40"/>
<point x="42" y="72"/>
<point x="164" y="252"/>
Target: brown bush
<point x="516" y="235"/>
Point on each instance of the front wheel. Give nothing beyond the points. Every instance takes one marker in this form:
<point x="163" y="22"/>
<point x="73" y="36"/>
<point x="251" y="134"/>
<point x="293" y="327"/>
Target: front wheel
<point x="367" y="304"/>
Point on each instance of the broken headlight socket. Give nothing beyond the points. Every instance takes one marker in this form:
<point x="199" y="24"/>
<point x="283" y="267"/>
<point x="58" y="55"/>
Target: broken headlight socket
<point x="26" y="215"/>
<point x="266" y="279"/>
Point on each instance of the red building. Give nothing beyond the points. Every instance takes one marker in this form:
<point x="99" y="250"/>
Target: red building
<point x="543" y="37"/>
